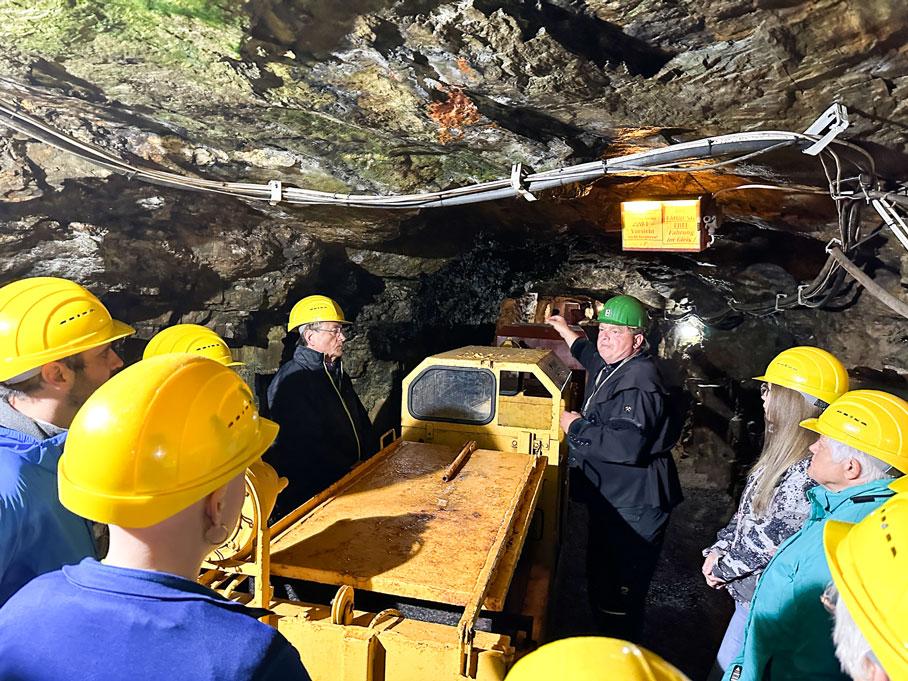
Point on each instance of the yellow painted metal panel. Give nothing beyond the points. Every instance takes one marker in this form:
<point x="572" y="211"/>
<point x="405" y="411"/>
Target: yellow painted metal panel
<point x="534" y="413"/>
<point x="472" y="353"/>
<point x="400" y="529"/>
<point x="395" y="650"/>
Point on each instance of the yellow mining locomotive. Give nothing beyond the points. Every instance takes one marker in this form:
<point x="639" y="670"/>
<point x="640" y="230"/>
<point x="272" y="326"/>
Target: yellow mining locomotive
<point x="463" y="511"/>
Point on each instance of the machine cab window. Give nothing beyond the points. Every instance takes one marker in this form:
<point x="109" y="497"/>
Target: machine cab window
<point x="454" y="394"/>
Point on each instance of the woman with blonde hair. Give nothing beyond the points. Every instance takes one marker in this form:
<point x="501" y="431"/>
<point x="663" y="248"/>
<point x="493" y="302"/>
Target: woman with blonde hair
<point x="798" y="384"/>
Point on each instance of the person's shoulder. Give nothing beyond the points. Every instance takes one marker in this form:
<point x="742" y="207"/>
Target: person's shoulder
<point x="37" y="598"/>
<point x="861" y="505"/>
<point x="289" y="377"/>
<point x="16" y="442"/>
<point x="14" y="474"/>
<point x="641" y="372"/>
<point x="280" y="661"/>
<point x="272" y="654"/>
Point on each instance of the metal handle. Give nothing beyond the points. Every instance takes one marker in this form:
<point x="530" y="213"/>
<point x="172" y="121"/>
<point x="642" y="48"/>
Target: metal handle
<point x="458" y="463"/>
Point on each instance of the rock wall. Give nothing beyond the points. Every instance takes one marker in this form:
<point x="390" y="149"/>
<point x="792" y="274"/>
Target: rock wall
<point x="414" y="95"/>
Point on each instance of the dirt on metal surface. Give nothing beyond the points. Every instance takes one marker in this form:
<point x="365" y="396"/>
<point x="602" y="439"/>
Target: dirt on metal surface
<point x="400" y="529"/>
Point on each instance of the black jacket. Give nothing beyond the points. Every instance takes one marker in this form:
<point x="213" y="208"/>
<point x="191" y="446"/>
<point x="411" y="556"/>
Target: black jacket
<point x="623" y="442"/>
<point x="325" y="429"/>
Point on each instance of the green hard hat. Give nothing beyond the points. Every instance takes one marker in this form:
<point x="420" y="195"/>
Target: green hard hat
<point x="623" y="311"/>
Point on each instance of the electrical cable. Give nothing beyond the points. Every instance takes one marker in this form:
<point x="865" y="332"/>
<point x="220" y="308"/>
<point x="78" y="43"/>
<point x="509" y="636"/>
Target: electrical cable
<point x="681" y="157"/>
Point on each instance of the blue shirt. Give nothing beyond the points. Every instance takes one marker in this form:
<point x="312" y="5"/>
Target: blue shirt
<point x="37" y="534"/>
<point x="788" y="636"/>
<point x="98" y="622"/>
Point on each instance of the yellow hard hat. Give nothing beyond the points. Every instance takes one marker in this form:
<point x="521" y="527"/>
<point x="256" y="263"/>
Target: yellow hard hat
<point x="899" y="485"/>
<point x="43" y="319"/>
<point x="593" y="658"/>
<point x="869" y="562"/>
<point x="157" y="437"/>
<point x="313" y="309"/>
<point x="192" y="339"/>
<point x="871" y="421"/>
<point x="808" y="370"/>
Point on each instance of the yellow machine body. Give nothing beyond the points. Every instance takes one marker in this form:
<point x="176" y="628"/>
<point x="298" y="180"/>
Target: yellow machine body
<point x="463" y="511"/>
<point x="516" y="409"/>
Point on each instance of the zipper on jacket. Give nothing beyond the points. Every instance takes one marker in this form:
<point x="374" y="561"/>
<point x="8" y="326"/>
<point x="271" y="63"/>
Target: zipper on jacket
<point x="359" y="451"/>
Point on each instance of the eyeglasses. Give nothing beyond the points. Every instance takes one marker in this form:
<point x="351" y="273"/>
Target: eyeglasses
<point x="764" y="389"/>
<point x="339" y="331"/>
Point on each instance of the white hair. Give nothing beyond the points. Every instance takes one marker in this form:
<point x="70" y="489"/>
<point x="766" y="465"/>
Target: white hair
<point x="303" y="328"/>
<point x="851" y="646"/>
<point x="871" y="467"/>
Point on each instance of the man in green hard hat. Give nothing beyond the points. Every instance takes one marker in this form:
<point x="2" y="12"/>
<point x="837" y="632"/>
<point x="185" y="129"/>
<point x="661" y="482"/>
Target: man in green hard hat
<point x="621" y="441"/>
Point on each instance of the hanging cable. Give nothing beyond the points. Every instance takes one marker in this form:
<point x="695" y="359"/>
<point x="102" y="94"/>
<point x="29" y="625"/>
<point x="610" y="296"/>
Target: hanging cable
<point x="849" y="193"/>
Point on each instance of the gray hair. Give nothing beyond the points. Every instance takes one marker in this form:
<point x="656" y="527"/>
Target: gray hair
<point x="871" y="467"/>
<point x="851" y="647"/>
<point x="311" y="326"/>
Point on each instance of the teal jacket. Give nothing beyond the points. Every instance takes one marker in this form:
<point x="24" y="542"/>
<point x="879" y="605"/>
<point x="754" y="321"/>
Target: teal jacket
<point x="788" y="636"/>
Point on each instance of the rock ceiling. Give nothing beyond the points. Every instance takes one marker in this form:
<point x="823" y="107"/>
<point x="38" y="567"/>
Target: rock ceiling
<point x="387" y="97"/>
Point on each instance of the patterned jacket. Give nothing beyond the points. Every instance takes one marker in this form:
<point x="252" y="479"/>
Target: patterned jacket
<point x="746" y="545"/>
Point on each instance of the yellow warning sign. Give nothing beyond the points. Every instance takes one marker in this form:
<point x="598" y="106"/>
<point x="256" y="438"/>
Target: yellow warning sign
<point x="671" y="225"/>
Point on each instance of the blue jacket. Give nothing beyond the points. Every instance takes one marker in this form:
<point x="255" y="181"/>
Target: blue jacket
<point x="98" y="622"/>
<point x="788" y="635"/>
<point x="37" y="534"/>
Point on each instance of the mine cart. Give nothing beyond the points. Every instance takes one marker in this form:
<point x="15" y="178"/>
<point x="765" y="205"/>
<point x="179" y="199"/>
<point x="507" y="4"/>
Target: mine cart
<point x="460" y="515"/>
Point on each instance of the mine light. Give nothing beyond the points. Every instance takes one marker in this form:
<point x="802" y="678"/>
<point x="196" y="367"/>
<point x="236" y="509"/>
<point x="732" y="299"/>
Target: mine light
<point x="690" y="331"/>
<point x="666" y="225"/>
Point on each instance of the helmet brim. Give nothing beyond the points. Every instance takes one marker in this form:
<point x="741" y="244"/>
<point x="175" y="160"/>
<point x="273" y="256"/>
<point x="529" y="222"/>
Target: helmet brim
<point x="342" y="322"/>
<point x="855" y="596"/>
<point x="151" y="509"/>
<point x="899" y="485"/>
<point x="118" y="330"/>
<point x="812" y="424"/>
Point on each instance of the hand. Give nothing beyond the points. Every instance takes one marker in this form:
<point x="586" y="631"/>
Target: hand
<point x="707" y="569"/>
<point x="714" y="582"/>
<point x="567" y="418"/>
<point x="557" y="322"/>
<point x="711" y="559"/>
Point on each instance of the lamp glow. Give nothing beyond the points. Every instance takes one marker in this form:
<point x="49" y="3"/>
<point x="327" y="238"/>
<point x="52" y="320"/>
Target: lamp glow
<point x="689" y="332"/>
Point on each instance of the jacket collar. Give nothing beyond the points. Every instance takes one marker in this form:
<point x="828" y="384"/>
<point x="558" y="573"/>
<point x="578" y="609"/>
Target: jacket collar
<point x="312" y="360"/>
<point x="825" y="501"/>
<point x="633" y="358"/>
<point x="159" y="586"/>
<point x="14" y="419"/>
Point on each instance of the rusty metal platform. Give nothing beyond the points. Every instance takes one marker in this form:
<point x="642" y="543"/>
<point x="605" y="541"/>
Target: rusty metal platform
<point x="394" y="526"/>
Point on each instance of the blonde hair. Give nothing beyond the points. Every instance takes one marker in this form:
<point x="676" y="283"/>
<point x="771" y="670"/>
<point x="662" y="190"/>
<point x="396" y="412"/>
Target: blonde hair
<point x="785" y="442"/>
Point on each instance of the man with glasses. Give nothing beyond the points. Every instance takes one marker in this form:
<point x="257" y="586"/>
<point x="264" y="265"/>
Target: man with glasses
<point x="621" y="442"/>
<point x="325" y="430"/>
